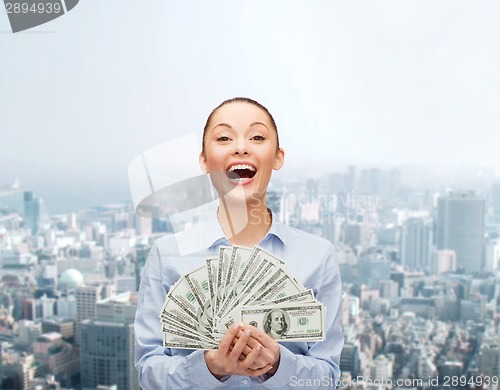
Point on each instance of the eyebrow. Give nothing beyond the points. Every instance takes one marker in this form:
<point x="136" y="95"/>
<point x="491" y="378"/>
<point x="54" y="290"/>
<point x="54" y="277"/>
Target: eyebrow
<point x="251" y="124"/>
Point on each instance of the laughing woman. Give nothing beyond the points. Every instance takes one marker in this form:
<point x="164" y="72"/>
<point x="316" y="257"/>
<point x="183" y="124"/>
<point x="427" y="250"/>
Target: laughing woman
<point x="240" y="150"/>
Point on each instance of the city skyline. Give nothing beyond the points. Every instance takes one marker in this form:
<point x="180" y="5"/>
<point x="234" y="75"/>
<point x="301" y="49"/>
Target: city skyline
<point x="413" y="309"/>
<point x="68" y="195"/>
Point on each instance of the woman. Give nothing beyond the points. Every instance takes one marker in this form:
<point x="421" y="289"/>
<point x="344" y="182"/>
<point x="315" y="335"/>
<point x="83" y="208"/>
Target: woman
<point x="240" y="151"/>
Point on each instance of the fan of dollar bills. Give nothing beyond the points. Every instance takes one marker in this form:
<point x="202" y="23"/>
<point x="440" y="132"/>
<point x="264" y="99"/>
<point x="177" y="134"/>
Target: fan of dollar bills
<point x="239" y="285"/>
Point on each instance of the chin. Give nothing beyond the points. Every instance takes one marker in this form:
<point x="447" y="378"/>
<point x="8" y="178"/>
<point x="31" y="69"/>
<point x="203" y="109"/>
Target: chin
<point x="241" y="195"/>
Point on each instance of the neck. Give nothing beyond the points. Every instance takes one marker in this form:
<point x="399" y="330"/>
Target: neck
<point x="244" y="223"/>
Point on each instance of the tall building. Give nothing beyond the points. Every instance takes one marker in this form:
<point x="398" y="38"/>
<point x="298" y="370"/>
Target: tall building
<point x="492" y="255"/>
<point x="67" y="307"/>
<point x="107" y="344"/>
<point x="416" y="243"/>
<point x="31" y="215"/>
<point x="350" y="179"/>
<point x="312" y="190"/>
<point x="141" y="255"/>
<point x="460" y="227"/>
<point x="495" y="198"/>
<point x="349" y="359"/>
<point x="357" y="235"/>
<point x="371" y="181"/>
<point x="86" y="298"/>
<point x="489" y="358"/>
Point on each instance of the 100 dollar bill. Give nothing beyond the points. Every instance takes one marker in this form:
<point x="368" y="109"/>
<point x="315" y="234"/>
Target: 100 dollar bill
<point x="291" y="322"/>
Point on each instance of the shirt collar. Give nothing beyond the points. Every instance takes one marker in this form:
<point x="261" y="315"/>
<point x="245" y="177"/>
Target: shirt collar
<point x="208" y="234"/>
<point x="277" y="229"/>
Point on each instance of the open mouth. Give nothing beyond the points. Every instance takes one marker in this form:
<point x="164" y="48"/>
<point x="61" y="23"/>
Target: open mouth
<point x="241" y="173"/>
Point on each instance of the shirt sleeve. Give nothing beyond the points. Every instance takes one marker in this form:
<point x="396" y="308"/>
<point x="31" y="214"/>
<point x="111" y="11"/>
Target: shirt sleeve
<point x="319" y="367"/>
<point x="158" y="368"/>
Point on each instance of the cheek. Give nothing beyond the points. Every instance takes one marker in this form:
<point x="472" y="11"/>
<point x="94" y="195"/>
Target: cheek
<point x="215" y="161"/>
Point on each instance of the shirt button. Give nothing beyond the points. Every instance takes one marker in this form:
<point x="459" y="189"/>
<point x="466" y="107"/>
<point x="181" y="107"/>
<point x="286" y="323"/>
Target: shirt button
<point x="245" y="381"/>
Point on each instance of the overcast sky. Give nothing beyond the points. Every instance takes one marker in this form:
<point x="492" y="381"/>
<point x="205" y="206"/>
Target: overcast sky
<point x="365" y="82"/>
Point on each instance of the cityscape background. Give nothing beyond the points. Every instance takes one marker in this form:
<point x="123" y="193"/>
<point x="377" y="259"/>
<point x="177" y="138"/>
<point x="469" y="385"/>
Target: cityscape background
<point x="420" y="270"/>
<point x="387" y="111"/>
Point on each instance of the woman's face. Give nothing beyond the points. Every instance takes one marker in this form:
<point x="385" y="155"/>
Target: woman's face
<point x="241" y="150"/>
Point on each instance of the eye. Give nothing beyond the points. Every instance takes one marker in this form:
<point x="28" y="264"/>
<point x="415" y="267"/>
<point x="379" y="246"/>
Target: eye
<point x="223" y="138"/>
<point x="258" y="138"/>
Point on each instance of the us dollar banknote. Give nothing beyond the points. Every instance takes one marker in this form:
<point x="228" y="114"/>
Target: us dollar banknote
<point x="291" y="322"/>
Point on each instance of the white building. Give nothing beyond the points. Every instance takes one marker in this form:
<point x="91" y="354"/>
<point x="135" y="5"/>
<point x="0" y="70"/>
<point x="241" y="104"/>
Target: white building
<point x="381" y="368"/>
<point x="443" y="261"/>
<point x="66" y="307"/>
<point x="492" y="256"/>
<point x="47" y="306"/>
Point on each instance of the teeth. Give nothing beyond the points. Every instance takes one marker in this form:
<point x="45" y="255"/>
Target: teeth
<point x="241" y="166"/>
<point x="241" y="179"/>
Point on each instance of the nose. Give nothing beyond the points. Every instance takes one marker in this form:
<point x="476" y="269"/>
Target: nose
<point x="240" y="148"/>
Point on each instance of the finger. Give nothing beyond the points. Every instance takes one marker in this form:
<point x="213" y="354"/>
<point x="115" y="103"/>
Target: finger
<point x="240" y="345"/>
<point x="245" y="352"/>
<point x="260" y="336"/>
<point x="258" y="372"/>
<point x="251" y="357"/>
<point x="252" y="342"/>
<point x="265" y="353"/>
<point x="227" y="340"/>
<point x="260" y="362"/>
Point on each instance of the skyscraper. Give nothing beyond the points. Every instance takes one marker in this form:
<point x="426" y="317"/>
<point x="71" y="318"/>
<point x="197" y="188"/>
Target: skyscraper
<point x="86" y="298"/>
<point x="460" y="226"/>
<point x="31" y="215"/>
<point x="495" y="198"/>
<point x="416" y="243"/>
<point x="489" y="357"/>
<point x="107" y="344"/>
<point x="141" y="255"/>
<point x="349" y="359"/>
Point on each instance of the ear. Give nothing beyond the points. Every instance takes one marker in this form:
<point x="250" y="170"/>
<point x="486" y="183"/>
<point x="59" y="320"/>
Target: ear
<point x="203" y="162"/>
<point x="279" y="159"/>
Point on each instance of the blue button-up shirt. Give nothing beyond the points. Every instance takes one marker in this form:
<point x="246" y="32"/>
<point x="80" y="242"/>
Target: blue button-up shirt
<point x="302" y="365"/>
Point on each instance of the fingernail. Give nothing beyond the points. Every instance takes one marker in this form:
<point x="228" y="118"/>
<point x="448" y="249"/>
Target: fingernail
<point x="269" y="368"/>
<point x="259" y="347"/>
<point x="247" y="332"/>
<point x="235" y="326"/>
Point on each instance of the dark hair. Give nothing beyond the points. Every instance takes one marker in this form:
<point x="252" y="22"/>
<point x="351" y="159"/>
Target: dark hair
<point x="232" y="100"/>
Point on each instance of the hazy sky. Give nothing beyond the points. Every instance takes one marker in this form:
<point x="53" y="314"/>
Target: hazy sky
<point x="371" y="82"/>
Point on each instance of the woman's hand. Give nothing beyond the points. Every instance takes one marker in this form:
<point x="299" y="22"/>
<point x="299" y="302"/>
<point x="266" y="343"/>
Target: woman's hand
<point x="226" y="360"/>
<point x="269" y="348"/>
